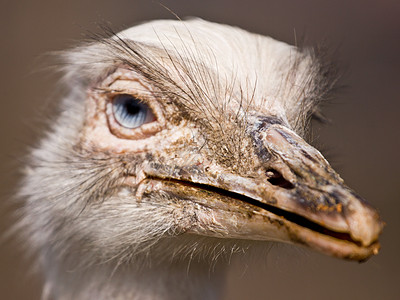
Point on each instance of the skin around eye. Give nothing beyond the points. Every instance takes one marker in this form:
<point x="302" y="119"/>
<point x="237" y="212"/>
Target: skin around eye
<point x="131" y="110"/>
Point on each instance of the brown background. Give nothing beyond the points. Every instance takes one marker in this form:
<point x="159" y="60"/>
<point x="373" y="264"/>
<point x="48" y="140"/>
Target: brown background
<point x="363" y="140"/>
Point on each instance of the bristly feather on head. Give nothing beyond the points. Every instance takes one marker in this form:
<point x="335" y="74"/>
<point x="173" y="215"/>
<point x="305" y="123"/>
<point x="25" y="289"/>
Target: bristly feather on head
<point x="181" y="61"/>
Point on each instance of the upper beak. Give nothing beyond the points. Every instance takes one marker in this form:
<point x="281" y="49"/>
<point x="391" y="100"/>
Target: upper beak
<point x="295" y="197"/>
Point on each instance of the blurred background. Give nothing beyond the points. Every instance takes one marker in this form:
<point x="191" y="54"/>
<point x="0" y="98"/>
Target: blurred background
<point x="362" y="141"/>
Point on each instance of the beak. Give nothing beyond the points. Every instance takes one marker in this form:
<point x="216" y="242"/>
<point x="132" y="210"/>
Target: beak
<point x="294" y="196"/>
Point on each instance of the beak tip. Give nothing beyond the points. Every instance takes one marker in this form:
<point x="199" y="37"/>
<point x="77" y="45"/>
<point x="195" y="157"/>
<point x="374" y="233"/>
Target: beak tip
<point x="365" y="223"/>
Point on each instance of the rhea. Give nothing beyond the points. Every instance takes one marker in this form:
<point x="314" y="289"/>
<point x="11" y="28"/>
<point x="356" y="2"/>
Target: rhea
<point x="179" y="142"/>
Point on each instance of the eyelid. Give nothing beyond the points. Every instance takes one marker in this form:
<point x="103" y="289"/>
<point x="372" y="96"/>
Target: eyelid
<point x="143" y="131"/>
<point x="140" y="91"/>
<point x="126" y="81"/>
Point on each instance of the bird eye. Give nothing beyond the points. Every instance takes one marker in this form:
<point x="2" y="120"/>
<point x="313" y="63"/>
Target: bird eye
<point x="131" y="112"/>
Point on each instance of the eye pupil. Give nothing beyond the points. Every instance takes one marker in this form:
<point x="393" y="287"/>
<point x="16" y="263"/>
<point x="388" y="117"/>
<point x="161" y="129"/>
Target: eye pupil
<point x="131" y="112"/>
<point x="132" y="108"/>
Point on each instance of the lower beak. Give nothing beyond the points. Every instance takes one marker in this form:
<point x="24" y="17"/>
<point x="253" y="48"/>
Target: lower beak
<point x="294" y="197"/>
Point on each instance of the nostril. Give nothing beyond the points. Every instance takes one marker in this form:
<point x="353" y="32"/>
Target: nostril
<point x="276" y="178"/>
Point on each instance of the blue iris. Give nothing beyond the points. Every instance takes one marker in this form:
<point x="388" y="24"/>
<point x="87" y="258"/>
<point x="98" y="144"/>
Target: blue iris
<point x="131" y="112"/>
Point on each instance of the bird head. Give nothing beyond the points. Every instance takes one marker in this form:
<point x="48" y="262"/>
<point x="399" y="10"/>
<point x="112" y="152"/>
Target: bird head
<point x="177" y="128"/>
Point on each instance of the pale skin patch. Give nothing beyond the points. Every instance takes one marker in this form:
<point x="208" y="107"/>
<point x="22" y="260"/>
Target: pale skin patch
<point x="104" y="133"/>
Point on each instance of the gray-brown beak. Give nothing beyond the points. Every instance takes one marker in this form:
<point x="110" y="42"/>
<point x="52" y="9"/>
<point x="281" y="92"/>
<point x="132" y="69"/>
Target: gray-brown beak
<point x="308" y="187"/>
<point x="295" y="196"/>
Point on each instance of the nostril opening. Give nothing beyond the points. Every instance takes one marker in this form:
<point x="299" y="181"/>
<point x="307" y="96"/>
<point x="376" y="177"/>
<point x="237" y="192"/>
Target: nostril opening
<point x="276" y="178"/>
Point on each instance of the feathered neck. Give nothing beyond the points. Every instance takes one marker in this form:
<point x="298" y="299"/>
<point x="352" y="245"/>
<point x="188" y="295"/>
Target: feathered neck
<point x="179" y="280"/>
